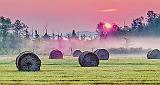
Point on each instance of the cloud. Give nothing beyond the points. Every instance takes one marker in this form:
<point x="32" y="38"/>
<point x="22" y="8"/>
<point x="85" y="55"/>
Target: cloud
<point x="107" y="10"/>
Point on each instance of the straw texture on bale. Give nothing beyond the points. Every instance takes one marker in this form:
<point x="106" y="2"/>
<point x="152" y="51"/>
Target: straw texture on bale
<point x="102" y="54"/>
<point x="77" y="53"/>
<point x="88" y="59"/>
<point x="28" y="61"/>
<point x="153" y="54"/>
<point x="56" y="54"/>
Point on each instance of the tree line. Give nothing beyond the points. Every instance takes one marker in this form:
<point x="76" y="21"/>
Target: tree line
<point x="141" y="26"/>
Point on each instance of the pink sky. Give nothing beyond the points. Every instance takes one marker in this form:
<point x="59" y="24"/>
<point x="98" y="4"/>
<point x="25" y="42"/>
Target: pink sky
<point x="65" y="15"/>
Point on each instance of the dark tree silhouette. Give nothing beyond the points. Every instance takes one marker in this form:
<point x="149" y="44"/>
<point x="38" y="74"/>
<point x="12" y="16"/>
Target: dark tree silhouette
<point x="74" y="35"/>
<point x="138" y="25"/>
<point x="19" y="27"/>
<point x="46" y="36"/>
<point x="53" y="36"/>
<point x="36" y="35"/>
<point x="27" y="35"/>
<point x="151" y="16"/>
<point x="153" y="20"/>
<point x="100" y="30"/>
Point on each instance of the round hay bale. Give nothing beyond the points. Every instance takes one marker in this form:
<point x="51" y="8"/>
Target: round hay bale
<point x="153" y="54"/>
<point x="77" y="53"/>
<point x="28" y="61"/>
<point x="56" y="54"/>
<point x="88" y="59"/>
<point x="102" y="54"/>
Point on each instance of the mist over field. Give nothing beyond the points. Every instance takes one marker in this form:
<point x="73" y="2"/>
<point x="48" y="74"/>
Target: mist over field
<point x="68" y="46"/>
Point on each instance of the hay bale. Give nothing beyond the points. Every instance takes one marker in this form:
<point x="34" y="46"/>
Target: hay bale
<point x="102" y="54"/>
<point x="28" y="61"/>
<point x="77" y="53"/>
<point x="153" y="54"/>
<point x="88" y="59"/>
<point x="56" y="54"/>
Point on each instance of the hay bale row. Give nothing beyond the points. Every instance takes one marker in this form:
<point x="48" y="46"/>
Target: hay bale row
<point x="28" y="61"/>
<point x="102" y="54"/>
<point x="89" y="59"/>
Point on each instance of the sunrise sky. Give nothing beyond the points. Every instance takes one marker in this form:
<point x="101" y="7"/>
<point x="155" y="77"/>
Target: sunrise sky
<point x="65" y="15"/>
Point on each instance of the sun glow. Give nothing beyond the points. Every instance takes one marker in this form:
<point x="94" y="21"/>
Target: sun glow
<point x="108" y="26"/>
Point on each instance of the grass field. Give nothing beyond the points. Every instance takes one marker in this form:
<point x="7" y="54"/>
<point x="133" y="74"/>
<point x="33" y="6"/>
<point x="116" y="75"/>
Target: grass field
<point x="118" y="70"/>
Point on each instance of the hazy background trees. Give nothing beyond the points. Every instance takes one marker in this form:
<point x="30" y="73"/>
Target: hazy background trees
<point x="11" y="35"/>
<point x="149" y="26"/>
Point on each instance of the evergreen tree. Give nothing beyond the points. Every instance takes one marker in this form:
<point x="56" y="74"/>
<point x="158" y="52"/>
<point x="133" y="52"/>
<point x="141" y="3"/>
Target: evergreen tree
<point x="46" y="36"/>
<point x="74" y="35"/>
<point x="36" y="35"/>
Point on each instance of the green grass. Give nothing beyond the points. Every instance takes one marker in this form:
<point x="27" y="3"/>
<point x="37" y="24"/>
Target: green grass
<point x="118" y="70"/>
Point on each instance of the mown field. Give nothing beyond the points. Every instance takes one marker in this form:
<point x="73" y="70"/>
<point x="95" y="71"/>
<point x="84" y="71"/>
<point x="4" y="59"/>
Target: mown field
<point x="118" y="70"/>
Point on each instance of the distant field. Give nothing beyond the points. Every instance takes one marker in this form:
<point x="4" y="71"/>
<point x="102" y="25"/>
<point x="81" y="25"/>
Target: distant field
<point x="118" y="70"/>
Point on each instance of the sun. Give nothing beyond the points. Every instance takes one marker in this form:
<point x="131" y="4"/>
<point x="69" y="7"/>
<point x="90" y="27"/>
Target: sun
<point x="108" y="26"/>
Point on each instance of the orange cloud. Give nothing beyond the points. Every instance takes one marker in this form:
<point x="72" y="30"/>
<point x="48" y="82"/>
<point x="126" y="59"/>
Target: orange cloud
<point x="107" y="10"/>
